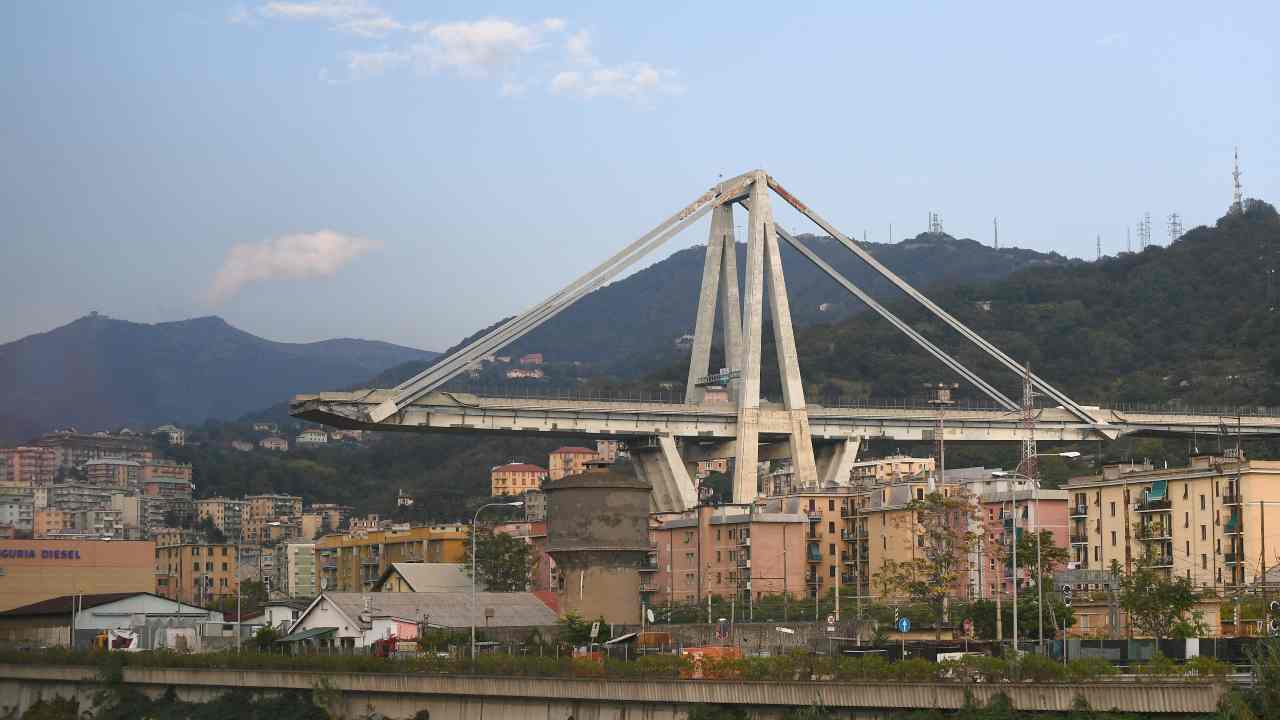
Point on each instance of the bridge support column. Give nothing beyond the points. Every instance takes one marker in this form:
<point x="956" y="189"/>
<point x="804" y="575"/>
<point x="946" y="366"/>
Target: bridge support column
<point x="834" y="459"/>
<point x="659" y="464"/>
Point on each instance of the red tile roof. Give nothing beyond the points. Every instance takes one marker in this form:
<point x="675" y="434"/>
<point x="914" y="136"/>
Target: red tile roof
<point x="519" y="467"/>
<point x="575" y="450"/>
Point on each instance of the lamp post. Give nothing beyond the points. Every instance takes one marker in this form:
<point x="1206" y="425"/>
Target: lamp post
<point x="474" y="520"/>
<point x="1035" y="489"/>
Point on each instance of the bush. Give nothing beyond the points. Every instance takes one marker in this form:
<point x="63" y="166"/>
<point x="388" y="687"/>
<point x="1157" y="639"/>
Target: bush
<point x="915" y="670"/>
<point x="1039" y="668"/>
<point x="986" y="668"/>
<point x="867" y="667"/>
<point x="1207" y="667"/>
<point x="1090" y="668"/>
<point x="1159" y="666"/>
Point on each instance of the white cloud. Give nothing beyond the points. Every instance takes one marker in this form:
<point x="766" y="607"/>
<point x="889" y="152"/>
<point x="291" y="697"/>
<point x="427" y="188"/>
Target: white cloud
<point x="303" y="255"/>
<point x="356" y="17"/>
<point x="553" y="24"/>
<point x="370" y="64"/>
<point x="479" y="47"/>
<point x="579" y="48"/>
<point x="636" y="82"/>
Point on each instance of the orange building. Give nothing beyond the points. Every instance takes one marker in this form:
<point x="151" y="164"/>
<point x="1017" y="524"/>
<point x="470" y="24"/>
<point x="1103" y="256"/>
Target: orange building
<point x="36" y="570"/>
<point x="515" y="479"/>
<point x="27" y="465"/>
<point x="51" y="521"/>
<point x="197" y="573"/>
<point x="568" y="460"/>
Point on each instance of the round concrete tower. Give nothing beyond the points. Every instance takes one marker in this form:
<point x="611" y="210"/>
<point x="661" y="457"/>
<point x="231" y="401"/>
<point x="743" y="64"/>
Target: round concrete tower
<point x="598" y="535"/>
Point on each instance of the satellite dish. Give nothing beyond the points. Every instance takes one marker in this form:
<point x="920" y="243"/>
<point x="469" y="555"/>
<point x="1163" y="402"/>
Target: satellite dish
<point x="649" y="612"/>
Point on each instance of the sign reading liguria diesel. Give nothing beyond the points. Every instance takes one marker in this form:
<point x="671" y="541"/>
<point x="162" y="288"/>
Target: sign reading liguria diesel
<point x="44" y="554"/>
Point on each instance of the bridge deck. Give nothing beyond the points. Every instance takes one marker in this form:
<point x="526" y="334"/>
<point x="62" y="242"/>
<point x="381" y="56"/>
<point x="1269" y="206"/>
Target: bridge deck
<point x="586" y="418"/>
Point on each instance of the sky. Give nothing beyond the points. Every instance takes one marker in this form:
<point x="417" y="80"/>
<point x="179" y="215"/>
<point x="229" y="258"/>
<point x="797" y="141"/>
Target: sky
<point x="411" y="172"/>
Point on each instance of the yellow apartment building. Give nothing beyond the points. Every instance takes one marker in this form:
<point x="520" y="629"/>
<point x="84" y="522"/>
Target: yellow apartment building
<point x="515" y="479"/>
<point x="197" y="573"/>
<point x="353" y="562"/>
<point x="1204" y="521"/>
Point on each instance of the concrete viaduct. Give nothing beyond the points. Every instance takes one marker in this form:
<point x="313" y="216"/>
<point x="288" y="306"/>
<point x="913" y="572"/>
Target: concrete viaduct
<point x="666" y="439"/>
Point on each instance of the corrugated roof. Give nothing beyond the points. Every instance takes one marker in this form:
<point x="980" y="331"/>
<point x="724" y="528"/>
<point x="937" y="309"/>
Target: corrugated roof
<point x="447" y="609"/>
<point x="62" y="605"/>
<point x="429" y="577"/>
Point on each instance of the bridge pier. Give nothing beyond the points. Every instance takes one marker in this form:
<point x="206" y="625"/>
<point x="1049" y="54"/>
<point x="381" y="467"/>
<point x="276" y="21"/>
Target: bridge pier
<point x="834" y="459"/>
<point x="658" y="463"/>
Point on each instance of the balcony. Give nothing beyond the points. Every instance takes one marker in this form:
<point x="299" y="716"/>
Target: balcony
<point x="1154" y="531"/>
<point x="1233" y="558"/>
<point x="1080" y="510"/>
<point x="649" y="566"/>
<point x="1079" y="538"/>
<point x="1157" y="561"/>
<point x="1232" y="499"/>
<point x="744" y="542"/>
<point x="814" y="515"/>
<point x="1154" y="505"/>
<point x="648" y="587"/>
<point x="744" y="562"/>
<point x="1234" y="526"/>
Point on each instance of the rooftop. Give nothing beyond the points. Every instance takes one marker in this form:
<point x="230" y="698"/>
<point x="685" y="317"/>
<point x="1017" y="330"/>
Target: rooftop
<point x="445" y="609"/>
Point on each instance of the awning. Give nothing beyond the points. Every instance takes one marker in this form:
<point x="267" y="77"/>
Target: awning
<point x="621" y="638"/>
<point x="311" y="634"/>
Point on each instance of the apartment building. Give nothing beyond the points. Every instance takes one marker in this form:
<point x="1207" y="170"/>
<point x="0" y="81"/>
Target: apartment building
<point x="726" y="551"/>
<point x="515" y="479"/>
<point x="313" y="436"/>
<point x="1204" y="521"/>
<point x="28" y="466"/>
<point x="17" y="510"/>
<point x="891" y="469"/>
<point x="72" y="449"/>
<point x="274" y="443"/>
<point x="114" y="473"/>
<point x="568" y="460"/>
<point x="264" y="509"/>
<point x="175" y="435"/>
<point x="295" y="569"/>
<point x="226" y="514"/>
<point x="52" y="522"/>
<point x="163" y="470"/>
<point x="197" y="573"/>
<point x="353" y="561"/>
<point x="332" y="516"/>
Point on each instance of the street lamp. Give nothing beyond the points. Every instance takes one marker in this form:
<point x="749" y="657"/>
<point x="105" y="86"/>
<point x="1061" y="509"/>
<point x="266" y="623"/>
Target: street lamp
<point x="474" y="520"/>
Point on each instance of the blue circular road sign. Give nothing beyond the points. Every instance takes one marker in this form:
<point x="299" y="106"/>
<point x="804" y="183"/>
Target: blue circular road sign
<point x="904" y="625"/>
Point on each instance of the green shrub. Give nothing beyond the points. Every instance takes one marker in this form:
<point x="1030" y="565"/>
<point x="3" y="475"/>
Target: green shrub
<point x="867" y="667"/>
<point x="986" y="668"/>
<point x="1207" y="667"/>
<point x="1039" y="668"/>
<point x="915" y="670"/>
<point x="1090" y="668"/>
<point x="1159" y="666"/>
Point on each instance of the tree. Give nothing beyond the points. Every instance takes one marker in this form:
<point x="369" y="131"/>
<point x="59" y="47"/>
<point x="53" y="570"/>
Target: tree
<point x="941" y="525"/>
<point x="210" y="531"/>
<point x="503" y="563"/>
<point x="1158" y="605"/>
<point x="573" y="629"/>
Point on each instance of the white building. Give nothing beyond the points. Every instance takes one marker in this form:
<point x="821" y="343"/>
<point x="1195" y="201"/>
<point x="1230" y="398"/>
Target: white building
<point x="145" y="616"/>
<point x="176" y="435"/>
<point x="313" y="436"/>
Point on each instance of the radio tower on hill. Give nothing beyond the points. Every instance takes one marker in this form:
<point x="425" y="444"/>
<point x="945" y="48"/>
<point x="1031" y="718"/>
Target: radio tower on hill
<point x="1237" y="197"/>
<point x="1144" y="232"/>
<point x="1175" y="228"/>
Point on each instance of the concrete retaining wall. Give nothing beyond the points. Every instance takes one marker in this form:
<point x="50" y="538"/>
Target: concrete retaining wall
<point x="513" y="698"/>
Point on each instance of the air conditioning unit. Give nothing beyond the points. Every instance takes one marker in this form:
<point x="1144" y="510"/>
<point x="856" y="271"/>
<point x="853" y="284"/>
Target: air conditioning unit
<point x="747" y="542"/>
<point x="748" y="563"/>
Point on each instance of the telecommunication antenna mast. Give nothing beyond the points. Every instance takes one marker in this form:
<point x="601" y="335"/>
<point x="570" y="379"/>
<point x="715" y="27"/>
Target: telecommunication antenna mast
<point x="1237" y="197"/>
<point x="995" y="227"/>
<point x="1175" y="228"/>
<point x="935" y="223"/>
<point x="1144" y="231"/>
<point x="1099" y="246"/>
<point x="1028" y="465"/>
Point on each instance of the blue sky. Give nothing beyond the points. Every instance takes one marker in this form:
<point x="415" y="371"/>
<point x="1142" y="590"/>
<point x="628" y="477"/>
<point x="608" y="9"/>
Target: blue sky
<point x="411" y="171"/>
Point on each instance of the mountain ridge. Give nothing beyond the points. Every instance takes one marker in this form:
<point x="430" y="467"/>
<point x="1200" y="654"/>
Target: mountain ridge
<point x="100" y="372"/>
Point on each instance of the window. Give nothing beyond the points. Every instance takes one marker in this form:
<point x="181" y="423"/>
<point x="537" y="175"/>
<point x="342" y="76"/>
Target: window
<point x="718" y="533"/>
<point x="1217" y="546"/>
<point x="831" y="504"/>
<point x="1113" y="538"/>
<point x="1097" y="553"/>
<point x="717" y="578"/>
<point x="1215" y="489"/>
<point x="812" y="505"/>
<point x="208" y="567"/>
<point x="831" y="527"/>
<point x="1204" y="532"/>
<point x="196" y="566"/>
<point x="224" y="551"/>
<point x="884" y="542"/>
<point x="717" y="556"/>
<point x="1204" y="561"/>
<point x="688" y="557"/>
<point x="1188" y="548"/>
<point x="831" y="571"/>
<point x="831" y="549"/>
<point x="1186" y="519"/>
<point x="1202" y="501"/>
<point x="688" y="537"/>
<point x="1185" y="487"/>
<point x="1113" y="508"/>
<point x="919" y="493"/>
<point x="224" y="567"/>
